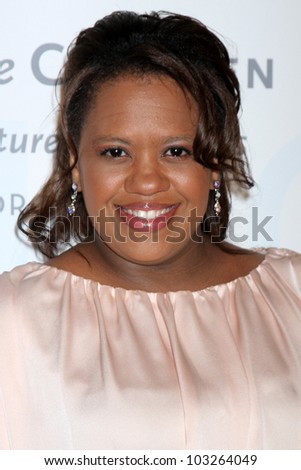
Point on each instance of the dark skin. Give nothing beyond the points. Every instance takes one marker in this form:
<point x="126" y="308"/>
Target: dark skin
<point x="216" y="267"/>
<point x="136" y="148"/>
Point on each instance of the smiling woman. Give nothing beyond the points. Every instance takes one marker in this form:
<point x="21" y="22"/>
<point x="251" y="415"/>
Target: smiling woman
<point x="144" y="328"/>
<point x="136" y="166"/>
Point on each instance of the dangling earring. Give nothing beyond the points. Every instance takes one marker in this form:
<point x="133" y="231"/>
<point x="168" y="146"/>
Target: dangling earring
<point x="71" y="208"/>
<point x="217" y="195"/>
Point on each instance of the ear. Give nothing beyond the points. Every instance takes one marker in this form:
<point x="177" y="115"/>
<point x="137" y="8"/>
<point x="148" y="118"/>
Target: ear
<point x="215" y="176"/>
<point x="75" y="172"/>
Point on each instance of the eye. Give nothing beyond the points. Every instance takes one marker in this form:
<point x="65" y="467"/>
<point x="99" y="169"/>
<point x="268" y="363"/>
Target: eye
<point x="113" y="152"/>
<point x="178" y="152"/>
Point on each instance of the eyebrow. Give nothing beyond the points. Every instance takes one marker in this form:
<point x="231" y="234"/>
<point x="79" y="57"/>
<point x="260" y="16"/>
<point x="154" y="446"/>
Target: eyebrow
<point x="165" y="141"/>
<point x="111" y="138"/>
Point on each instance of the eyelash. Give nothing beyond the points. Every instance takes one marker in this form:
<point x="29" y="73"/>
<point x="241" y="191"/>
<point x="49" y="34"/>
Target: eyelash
<point x="119" y="152"/>
<point x="187" y="153"/>
<point x="108" y="152"/>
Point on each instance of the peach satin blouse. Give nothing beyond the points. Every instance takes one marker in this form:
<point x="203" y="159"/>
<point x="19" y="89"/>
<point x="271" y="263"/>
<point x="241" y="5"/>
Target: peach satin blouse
<point x="88" y="366"/>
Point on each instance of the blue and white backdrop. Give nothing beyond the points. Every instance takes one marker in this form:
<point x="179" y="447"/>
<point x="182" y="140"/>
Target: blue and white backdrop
<point x="263" y="38"/>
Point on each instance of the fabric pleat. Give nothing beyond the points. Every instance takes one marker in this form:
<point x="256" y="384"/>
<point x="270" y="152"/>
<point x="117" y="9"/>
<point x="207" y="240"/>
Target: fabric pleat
<point x="89" y="366"/>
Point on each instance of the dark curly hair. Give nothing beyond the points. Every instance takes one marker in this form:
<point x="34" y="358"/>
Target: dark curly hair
<point x="173" y="45"/>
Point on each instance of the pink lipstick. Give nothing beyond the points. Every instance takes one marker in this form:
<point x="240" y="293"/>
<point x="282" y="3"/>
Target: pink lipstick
<point x="147" y="217"/>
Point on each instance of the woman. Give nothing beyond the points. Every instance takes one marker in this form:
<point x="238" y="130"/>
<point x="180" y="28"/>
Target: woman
<point x="149" y="331"/>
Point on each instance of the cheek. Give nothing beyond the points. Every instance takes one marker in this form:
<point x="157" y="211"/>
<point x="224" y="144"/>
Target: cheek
<point x="200" y="191"/>
<point x="99" y="187"/>
<point x="195" y="185"/>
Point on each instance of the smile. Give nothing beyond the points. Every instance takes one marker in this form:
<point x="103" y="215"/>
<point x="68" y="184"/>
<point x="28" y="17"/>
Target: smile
<point x="150" y="218"/>
<point x="149" y="214"/>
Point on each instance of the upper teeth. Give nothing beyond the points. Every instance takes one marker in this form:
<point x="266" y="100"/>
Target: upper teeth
<point x="147" y="214"/>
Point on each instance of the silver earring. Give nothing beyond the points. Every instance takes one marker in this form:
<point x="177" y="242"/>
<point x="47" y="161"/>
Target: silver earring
<point x="217" y="195"/>
<point x="71" y="208"/>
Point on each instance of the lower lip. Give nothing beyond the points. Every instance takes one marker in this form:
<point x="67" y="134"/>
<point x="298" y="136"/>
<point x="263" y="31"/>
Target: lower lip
<point x="140" y="224"/>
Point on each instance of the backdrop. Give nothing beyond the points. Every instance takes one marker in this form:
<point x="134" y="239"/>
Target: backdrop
<point x="263" y="38"/>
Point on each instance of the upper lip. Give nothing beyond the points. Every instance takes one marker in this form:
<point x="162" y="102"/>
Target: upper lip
<point x="146" y="206"/>
<point x="147" y="210"/>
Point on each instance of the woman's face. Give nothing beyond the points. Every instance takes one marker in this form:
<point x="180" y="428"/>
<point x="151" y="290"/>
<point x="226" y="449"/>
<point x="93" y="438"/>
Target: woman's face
<point x="136" y="170"/>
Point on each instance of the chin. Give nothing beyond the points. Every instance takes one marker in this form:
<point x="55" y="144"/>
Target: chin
<point x="148" y="257"/>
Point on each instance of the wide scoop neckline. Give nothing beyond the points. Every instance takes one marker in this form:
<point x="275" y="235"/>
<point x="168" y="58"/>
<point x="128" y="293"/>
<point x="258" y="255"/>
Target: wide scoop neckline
<point x="268" y="253"/>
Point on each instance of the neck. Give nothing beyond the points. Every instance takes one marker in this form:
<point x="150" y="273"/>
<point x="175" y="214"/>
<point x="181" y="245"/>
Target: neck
<point x="192" y="269"/>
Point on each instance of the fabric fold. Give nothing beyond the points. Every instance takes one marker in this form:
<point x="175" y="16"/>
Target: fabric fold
<point x="89" y="366"/>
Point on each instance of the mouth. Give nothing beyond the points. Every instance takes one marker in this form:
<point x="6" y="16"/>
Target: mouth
<point x="147" y="217"/>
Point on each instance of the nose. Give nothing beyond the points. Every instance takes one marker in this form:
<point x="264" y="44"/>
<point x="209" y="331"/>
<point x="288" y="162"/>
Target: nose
<point x="147" y="177"/>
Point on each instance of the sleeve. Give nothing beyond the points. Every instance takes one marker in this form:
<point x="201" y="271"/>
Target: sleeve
<point x="4" y="440"/>
<point x="7" y="335"/>
<point x="286" y="268"/>
<point x="291" y="273"/>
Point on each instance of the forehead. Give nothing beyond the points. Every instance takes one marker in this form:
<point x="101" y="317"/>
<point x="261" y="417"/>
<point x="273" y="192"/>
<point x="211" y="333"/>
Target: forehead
<point x="148" y="98"/>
